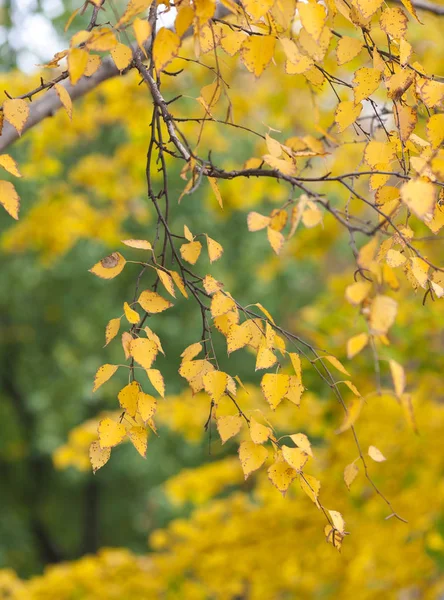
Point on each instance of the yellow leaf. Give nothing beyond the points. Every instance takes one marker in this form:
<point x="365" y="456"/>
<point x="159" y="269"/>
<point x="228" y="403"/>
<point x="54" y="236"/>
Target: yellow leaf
<point x="9" y="198"/>
<point x="139" y="244"/>
<point x="92" y="65"/>
<point x="146" y="406"/>
<point x="259" y="433"/>
<point x="265" y="358"/>
<point x="420" y="271"/>
<point x="257" y="52"/>
<point x="215" y="188"/>
<point x="194" y="371"/>
<point x="135" y="7"/>
<point x="351" y="416"/>
<point x="16" y="112"/>
<point x="138" y="436"/>
<point x="232" y="41"/>
<point x="356" y="343"/>
<point x="10" y="165"/>
<point x="302" y="442"/>
<point x="143" y="351"/>
<point x="383" y="312"/>
<point x="379" y="152"/>
<point x="142" y="31"/>
<point x="238" y="336"/>
<point x="410" y="7"/>
<point x="281" y="475"/>
<point x="109" y="267"/>
<point x="225" y="321"/>
<point x="368" y="7"/>
<point x="347" y="49"/>
<point x="110" y="433"/>
<point x="296" y="364"/>
<point x="358" y="292"/>
<point x="122" y="56"/>
<point x="351" y="386"/>
<point x="256" y="221"/>
<point x="167" y="281"/>
<point x="313" y="17"/>
<point x="435" y="130"/>
<point x="405" y="51"/>
<point x="395" y="259"/>
<point x="77" y="61"/>
<point x="191" y="251"/>
<point x="156" y="379"/>
<point x="221" y="303"/>
<point x="112" y="329"/>
<point x="258" y="8"/>
<point x="228" y="426"/>
<point x="394" y="22"/>
<point x="350" y="473"/>
<point x="128" y="397"/>
<point x="419" y="196"/>
<point x="98" y="456"/>
<point x="295" y="457"/>
<point x="184" y="19"/>
<point x="311" y="487"/>
<point x="127" y="338"/>
<point x="215" y="384"/>
<point x="132" y="315"/>
<point x="276" y="239"/>
<point x="179" y="283"/>
<point x="275" y="387"/>
<point x="295" y="389"/>
<point x="405" y="119"/>
<point x="336" y="363"/>
<point x="215" y="250"/>
<point x="165" y="49"/>
<point x="153" y="302"/>
<point x="65" y="98"/>
<point x="398" y="376"/>
<point x="286" y="167"/>
<point x="104" y="373"/>
<point x="101" y="40"/>
<point x="365" y="82"/>
<point x="187" y="234"/>
<point x="376" y="454"/>
<point x="297" y="63"/>
<point x="154" y="337"/>
<point x="191" y="352"/>
<point x="252" y="456"/>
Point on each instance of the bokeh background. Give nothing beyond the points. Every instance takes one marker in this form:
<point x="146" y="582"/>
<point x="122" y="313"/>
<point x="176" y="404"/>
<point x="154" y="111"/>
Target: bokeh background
<point x="183" y="523"/>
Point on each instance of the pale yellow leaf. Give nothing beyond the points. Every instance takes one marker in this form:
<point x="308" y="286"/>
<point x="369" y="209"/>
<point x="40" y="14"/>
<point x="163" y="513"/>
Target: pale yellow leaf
<point x="376" y="454"/>
<point x="16" y="112"/>
<point x="98" y="456"/>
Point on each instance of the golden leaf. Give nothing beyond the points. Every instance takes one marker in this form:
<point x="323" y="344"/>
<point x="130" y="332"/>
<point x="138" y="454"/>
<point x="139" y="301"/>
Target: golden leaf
<point x="109" y="267"/>
<point x="165" y="48"/>
<point x="153" y="302"/>
<point x="143" y="351"/>
<point x="256" y="53"/>
<point x="281" y="475"/>
<point x="215" y="250"/>
<point x="252" y="456"/>
<point x="215" y="384"/>
<point x="110" y="433"/>
<point x="16" y="112"/>
<point x="191" y="251"/>
<point x="138" y="436"/>
<point x="112" y="329"/>
<point x="65" y="98"/>
<point x="146" y="406"/>
<point x="128" y="397"/>
<point x="259" y="433"/>
<point x="156" y="379"/>
<point x="275" y="387"/>
<point x="98" y="456"/>
<point x="9" y="198"/>
<point x="122" y="56"/>
<point x="77" y="61"/>
<point x="104" y="373"/>
<point x="131" y="314"/>
<point x="356" y="343"/>
<point x="347" y="49"/>
<point x="228" y="426"/>
<point x="351" y="416"/>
